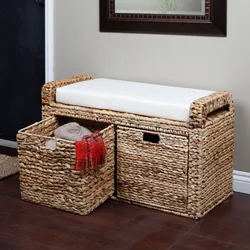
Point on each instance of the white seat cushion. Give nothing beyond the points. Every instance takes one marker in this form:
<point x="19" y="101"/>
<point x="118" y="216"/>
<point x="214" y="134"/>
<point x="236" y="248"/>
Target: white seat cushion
<point x="133" y="97"/>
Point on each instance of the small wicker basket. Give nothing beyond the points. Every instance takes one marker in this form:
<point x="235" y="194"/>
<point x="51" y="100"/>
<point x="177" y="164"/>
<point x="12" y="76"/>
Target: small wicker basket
<point x="48" y="177"/>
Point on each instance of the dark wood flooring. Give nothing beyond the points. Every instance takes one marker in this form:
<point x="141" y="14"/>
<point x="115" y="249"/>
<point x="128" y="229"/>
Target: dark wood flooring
<point x="115" y="225"/>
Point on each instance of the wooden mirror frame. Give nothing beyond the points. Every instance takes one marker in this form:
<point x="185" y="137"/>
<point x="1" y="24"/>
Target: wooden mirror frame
<point x="213" y="23"/>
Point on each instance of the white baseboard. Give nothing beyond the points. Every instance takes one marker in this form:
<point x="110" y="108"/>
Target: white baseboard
<point x="7" y="143"/>
<point x="241" y="182"/>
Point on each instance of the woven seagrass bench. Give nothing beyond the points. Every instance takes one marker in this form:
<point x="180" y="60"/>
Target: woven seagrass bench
<point x="173" y="146"/>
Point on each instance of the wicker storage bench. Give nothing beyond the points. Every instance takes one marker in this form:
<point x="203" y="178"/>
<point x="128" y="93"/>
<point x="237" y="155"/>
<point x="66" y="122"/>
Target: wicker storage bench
<point x="48" y="177"/>
<point x="177" y="166"/>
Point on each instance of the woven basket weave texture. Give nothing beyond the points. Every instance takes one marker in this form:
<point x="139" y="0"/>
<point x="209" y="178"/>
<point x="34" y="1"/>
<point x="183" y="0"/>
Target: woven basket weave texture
<point x="47" y="177"/>
<point x="187" y="172"/>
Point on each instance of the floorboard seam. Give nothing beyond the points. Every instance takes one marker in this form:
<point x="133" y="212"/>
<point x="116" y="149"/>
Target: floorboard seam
<point x="187" y="232"/>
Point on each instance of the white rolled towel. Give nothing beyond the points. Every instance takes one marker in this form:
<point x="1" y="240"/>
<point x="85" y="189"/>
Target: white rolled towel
<point x="71" y="131"/>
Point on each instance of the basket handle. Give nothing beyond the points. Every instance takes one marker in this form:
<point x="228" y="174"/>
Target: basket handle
<point x="202" y="107"/>
<point x="151" y="137"/>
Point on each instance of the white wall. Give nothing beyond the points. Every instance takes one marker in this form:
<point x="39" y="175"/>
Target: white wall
<point x="198" y="62"/>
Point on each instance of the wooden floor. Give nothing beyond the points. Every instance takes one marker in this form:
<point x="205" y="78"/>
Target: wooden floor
<point x="115" y="225"/>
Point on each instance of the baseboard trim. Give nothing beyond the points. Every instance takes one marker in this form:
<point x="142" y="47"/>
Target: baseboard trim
<point x="7" y="143"/>
<point x="241" y="182"/>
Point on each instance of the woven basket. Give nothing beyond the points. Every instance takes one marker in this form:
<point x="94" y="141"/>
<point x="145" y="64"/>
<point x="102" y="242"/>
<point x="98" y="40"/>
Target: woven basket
<point x="47" y="177"/>
<point x="185" y="168"/>
<point x="8" y="165"/>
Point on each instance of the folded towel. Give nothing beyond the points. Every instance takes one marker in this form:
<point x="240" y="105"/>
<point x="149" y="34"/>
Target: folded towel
<point x="90" y="152"/>
<point x="71" y="131"/>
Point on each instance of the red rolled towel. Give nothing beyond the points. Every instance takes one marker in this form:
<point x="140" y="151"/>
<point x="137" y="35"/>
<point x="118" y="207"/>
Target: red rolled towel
<point x="90" y="152"/>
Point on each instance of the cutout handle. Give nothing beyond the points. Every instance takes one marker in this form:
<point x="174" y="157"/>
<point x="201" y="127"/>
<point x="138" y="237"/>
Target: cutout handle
<point x="153" y="138"/>
<point x="206" y="106"/>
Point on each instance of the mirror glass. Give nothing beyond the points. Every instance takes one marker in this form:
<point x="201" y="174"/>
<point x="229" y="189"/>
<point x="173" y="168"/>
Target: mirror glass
<point x="175" y="7"/>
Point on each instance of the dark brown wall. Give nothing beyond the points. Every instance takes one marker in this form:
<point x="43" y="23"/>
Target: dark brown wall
<point x="22" y="64"/>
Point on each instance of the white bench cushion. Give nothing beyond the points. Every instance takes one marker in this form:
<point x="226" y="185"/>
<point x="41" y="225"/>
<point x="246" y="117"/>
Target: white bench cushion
<point x="133" y="97"/>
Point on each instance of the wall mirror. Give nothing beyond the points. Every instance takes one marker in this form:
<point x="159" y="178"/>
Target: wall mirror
<point x="186" y="17"/>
